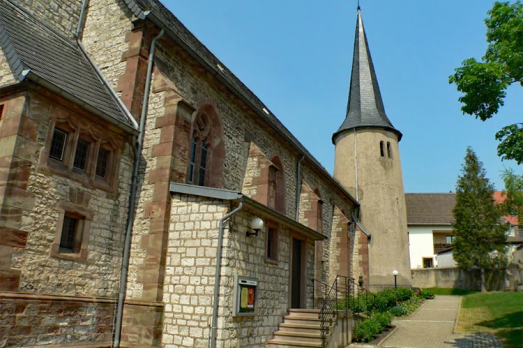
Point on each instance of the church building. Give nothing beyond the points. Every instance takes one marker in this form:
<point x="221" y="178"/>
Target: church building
<point x="148" y="198"/>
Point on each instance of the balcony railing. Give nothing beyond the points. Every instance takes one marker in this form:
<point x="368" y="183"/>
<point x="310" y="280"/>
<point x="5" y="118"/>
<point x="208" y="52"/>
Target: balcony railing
<point x="441" y="246"/>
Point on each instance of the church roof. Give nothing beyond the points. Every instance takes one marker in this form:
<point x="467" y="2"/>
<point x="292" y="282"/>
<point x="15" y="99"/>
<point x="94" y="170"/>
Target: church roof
<point x="365" y="105"/>
<point x="36" y="52"/>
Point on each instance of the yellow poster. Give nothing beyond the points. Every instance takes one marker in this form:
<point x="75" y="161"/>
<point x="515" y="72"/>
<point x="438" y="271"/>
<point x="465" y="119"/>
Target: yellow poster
<point x="244" y="297"/>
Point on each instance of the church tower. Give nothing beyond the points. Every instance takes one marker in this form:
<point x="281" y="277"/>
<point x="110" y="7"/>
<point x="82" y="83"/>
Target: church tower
<point x="367" y="163"/>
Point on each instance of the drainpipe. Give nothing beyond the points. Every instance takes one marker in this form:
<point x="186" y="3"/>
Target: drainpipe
<point x="356" y="163"/>
<point x="214" y="326"/>
<point x="130" y="215"/>
<point x="298" y="189"/>
<point x="80" y="27"/>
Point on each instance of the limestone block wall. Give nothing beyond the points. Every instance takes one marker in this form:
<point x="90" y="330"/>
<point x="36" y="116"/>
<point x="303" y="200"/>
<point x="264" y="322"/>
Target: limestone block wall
<point x="6" y="76"/>
<point x="74" y="300"/>
<point x="62" y="15"/>
<point x="190" y="276"/>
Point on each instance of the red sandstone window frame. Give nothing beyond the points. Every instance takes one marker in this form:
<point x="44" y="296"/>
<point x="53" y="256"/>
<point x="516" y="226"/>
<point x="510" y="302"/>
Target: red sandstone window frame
<point x="84" y="218"/>
<point x="98" y="138"/>
<point x="272" y="248"/>
<point x="1" y="113"/>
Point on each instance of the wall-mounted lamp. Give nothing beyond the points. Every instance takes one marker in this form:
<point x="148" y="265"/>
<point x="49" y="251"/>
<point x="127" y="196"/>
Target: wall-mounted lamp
<point x="256" y="226"/>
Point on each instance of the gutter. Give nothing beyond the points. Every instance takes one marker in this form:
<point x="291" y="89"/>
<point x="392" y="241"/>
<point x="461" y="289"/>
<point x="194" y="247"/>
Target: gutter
<point x="214" y="327"/>
<point x="81" y="21"/>
<point x="132" y="198"/>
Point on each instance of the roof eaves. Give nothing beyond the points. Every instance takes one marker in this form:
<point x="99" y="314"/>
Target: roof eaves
<point x="88" y="107"/>
<point x="262" y="111"/>
<point x="109" y="88"/>
<point x="135" y="9"/>
<point x="228" y="195"/>
<point x="14" y="61"/>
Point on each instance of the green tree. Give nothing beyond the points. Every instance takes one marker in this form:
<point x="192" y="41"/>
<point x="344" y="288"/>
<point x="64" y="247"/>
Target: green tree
<point x="480" y="233"/>
<point x="484" y="83"/>
<point x="513" y="204"/>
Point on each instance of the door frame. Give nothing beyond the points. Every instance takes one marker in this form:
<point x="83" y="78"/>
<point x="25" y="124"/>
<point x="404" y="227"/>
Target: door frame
<point x="303" y="266"/>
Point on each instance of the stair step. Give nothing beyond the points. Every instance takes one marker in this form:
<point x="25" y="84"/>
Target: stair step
<point x="298" y="336"/>
<point x="300" y="328"/>
<point x="278" y="343"/>
<point x="311" y="313"/>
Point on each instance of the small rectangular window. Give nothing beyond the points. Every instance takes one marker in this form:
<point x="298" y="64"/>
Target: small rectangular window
<point x="70" y="239"/>
<point x="80" y="158"/>
<point x="203" y="165"/>
<point x="58" y="144"/>
<point x="101" y="163"/>
<point x="272" y="244"/>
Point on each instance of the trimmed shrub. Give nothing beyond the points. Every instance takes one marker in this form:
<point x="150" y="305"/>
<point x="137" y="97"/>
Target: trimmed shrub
<point x="367" y="329"/>
<point x="427" y="294"/>
<point x="399" y="310"/>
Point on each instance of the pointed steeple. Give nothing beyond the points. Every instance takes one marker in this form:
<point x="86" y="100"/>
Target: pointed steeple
<point x="365" y="107"/>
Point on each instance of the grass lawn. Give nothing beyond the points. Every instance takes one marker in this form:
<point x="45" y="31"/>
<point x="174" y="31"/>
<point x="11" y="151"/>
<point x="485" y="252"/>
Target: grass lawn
<point x="496" y="312"/>
<point x="446" y="291"/>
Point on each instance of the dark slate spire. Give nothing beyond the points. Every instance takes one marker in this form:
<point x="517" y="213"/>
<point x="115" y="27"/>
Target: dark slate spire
<point x="365" y="107"/>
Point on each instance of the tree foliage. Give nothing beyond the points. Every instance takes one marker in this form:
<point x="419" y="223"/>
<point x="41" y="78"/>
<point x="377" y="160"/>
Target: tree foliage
<point x="484" y="83"/>
<point x="480" y="233"/>
<point x="513" y="203"/>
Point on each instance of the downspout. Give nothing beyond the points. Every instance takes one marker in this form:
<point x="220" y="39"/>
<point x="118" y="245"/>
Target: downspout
<point x="298" y="188"/>
<point x="81" y="24"/>
<point x="214" y="326"/>
<point x="356" y="163"/>
<point x="132" y="198"/>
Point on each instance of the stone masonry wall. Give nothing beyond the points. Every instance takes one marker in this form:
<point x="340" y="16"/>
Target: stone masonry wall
<point x="190" y="276"/>
<point x="62" y="15"/>
<point x="6" y="76"/>
<point x="28" y="321"/>
<point x="46" y="290"/>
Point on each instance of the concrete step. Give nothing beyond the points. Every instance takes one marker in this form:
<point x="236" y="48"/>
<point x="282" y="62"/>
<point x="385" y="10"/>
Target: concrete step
<point x="278" y="343"/>
<point x="303" y="328"/>
<point x="297" y="336"/>
<point x="312" y="313"/>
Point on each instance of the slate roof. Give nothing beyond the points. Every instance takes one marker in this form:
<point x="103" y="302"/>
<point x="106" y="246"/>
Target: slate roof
<point x="155" y="11"/>
<point x="37" y="52"/>
<point x="365" y="106"/>
<point x="430" y="208"/>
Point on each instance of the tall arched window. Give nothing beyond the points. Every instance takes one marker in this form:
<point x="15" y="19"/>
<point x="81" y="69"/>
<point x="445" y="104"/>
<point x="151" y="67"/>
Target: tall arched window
<point x="199" y="154"/>
<point x="206" y="149"/>
<point x="389" y="150"/>
<point x="277" y="185"/>
<point x="382" y="149"/>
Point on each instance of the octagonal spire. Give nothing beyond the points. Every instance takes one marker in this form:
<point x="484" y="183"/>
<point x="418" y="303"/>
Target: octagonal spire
<point x="365" y="107"/>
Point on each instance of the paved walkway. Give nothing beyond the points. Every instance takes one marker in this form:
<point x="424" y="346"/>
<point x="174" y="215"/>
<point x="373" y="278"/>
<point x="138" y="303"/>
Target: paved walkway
<point x="431" y="327"/>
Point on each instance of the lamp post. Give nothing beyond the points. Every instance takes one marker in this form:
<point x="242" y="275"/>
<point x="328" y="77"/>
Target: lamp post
<point x="395" y="274"/>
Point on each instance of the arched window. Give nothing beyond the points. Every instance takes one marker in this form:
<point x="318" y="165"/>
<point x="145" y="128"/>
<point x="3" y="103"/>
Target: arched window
<point x="199" y="154"/>
<point x="382" y="149"/>
<point x="389" y="150"/>
<point x="319" y="212"/>
<point x="206" y="149"/>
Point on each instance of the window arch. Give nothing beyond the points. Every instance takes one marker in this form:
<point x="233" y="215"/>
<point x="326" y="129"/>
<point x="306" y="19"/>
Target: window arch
<point x="206" y="149"/>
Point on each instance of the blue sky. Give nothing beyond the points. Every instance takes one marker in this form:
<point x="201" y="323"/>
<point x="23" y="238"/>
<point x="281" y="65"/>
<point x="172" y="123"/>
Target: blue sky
<point x="296" y="56"/>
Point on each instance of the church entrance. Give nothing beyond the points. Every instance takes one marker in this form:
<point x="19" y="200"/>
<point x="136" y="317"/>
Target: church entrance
<point x="297" y="274"/>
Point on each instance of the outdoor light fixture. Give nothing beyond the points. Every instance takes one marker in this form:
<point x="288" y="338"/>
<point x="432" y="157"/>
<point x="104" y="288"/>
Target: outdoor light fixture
<point x="395" y="274"/>
<point x="256" y="226"/>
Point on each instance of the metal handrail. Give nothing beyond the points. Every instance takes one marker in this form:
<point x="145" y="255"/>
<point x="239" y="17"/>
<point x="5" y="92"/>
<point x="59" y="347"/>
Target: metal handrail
<point x="343" y="294"/>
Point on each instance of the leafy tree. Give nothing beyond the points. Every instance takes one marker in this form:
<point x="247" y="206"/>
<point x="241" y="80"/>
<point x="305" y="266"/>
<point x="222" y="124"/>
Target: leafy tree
<point x="513" y="204"/>
<point x="480" y="233"/>
<point x="484" y="83"/>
